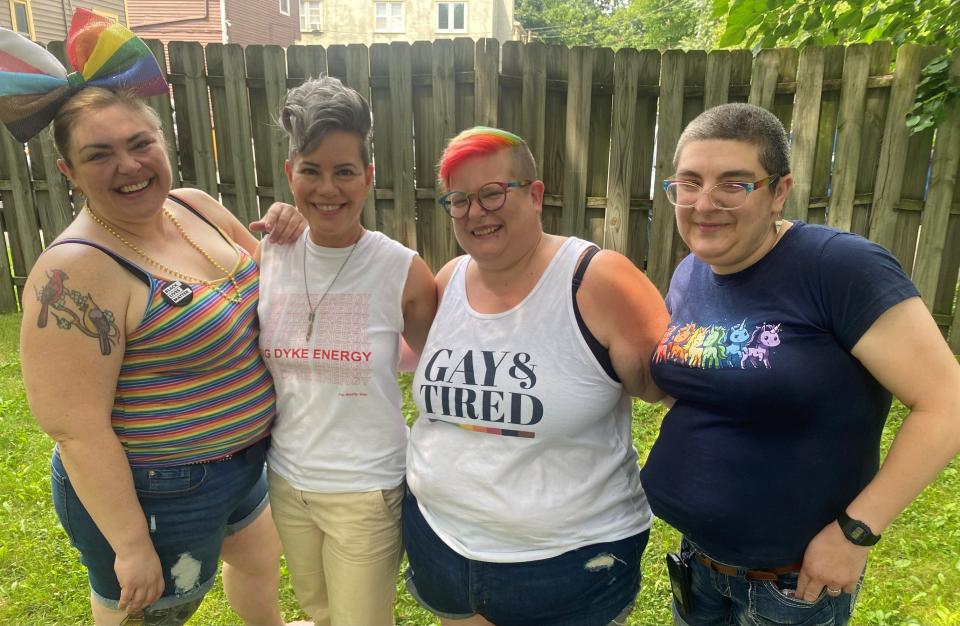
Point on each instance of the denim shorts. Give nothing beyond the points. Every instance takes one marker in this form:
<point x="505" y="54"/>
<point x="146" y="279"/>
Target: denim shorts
<point x="189" y="510"/>
<point x="589" y="586"/>
<point x="720" y="599"/>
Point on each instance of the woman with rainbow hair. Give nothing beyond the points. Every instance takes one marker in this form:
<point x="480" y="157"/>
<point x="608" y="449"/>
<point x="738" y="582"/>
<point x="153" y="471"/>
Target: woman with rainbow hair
<point x="524" y="504"/>
<point x="139" y="346"/>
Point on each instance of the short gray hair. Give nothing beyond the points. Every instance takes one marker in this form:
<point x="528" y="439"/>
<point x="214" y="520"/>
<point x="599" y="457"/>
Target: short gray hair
<point x="321" y="105"/>
<point x="750" y="124"/>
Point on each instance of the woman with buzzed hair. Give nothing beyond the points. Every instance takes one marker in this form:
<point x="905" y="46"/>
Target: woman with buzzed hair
<point x="332" y="309"/>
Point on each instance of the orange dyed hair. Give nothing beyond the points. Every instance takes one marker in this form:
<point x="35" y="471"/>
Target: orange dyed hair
<point x="484" y="141"/>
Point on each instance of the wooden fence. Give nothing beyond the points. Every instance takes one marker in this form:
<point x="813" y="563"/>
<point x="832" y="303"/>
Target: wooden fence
<point x="602" y="126"/>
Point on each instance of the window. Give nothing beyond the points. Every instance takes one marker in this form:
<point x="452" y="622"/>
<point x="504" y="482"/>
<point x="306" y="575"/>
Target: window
<point x="311" y="15"/>
<point x="285" y="7"/>
<point x="388" y="17"/>
<point x="451" y="17"/>
<point x="22" y="17"/>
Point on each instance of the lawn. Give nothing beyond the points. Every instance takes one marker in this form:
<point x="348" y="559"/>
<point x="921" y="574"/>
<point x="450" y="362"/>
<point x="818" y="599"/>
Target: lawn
<point x="913" y="577"/>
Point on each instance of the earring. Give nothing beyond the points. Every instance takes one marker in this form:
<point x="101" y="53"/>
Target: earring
<point x="778" y="225"/>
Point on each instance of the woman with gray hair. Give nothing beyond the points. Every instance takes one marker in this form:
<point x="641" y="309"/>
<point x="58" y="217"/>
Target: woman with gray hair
<point x="332" y="309"/>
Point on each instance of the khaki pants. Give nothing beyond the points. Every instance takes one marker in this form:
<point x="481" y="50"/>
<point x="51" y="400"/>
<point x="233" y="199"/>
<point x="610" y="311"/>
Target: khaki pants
<point x="343" y="551"/>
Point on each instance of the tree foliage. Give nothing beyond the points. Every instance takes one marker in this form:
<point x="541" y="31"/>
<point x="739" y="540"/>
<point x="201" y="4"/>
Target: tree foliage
<point x="657" y="24"/>
<point x="798" y="23"/>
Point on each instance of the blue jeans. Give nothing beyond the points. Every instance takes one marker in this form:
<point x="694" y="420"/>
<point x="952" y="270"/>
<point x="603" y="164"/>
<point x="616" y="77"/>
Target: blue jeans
<point x="589" y="586"/>
<point x="722" y="600"/>
<point x="189" y="510"/>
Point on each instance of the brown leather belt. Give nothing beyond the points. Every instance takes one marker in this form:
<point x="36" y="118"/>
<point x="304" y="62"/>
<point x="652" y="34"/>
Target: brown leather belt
<point x="771" y="574"/>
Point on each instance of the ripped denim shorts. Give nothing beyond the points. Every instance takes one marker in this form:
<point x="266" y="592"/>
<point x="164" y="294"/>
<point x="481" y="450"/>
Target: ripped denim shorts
<point x="189" y="510"/>
<point x="594" y="585"/>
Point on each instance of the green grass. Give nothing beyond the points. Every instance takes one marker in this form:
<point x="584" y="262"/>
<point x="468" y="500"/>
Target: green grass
<point x="913" y="578"/>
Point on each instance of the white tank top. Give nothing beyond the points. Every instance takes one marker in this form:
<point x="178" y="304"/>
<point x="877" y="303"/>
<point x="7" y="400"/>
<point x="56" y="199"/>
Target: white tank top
<point x="522" y="450"/>
<point x="339" y="427"/>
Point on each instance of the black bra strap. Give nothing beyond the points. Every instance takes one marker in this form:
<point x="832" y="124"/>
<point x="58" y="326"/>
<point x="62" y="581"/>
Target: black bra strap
<point x="193" y="210"/>
<point x="131" y="267"/>
<point x="601" y="353"/>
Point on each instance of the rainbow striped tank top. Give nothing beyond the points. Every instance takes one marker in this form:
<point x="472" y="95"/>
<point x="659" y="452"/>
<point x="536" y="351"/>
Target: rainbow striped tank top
<point x="192" y="386"/>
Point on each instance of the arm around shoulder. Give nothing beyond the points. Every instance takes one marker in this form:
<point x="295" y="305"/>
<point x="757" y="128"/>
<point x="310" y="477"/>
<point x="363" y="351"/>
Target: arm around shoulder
<point x="419" y="304"/>
<point x="219" y="215"/>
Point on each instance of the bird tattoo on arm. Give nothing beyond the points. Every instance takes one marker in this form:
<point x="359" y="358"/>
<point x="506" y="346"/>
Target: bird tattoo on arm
<point x="76" y="311"/>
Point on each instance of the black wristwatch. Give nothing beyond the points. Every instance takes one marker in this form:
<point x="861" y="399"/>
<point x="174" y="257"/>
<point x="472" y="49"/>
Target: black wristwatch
<point x="856" y="531"/>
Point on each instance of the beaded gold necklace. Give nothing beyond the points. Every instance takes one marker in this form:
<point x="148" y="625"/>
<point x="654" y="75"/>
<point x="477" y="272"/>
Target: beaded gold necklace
<point x="170" y="271"/>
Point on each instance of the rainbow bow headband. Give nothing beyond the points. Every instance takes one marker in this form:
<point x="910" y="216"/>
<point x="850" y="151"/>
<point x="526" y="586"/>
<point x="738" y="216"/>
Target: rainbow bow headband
<point x="34" y="85"/>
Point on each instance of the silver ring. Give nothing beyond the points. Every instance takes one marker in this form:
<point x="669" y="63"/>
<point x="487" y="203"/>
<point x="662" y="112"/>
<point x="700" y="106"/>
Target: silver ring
<point x="834" y="592"/>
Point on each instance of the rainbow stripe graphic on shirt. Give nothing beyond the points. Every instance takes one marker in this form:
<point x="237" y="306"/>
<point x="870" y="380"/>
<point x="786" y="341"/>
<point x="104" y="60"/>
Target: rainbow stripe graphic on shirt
<point x="717" y="346"/>
<point x="503" y="432"/>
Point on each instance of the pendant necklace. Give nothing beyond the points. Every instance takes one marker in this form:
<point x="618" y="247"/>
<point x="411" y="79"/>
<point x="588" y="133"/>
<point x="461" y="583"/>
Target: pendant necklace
<point x="313" y="307"/>
<point x="181" y="298"/>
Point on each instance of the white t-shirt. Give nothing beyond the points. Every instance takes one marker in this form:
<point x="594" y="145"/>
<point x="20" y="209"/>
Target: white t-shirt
<point x="339" y="427"/>
<point x="523" y="449"/>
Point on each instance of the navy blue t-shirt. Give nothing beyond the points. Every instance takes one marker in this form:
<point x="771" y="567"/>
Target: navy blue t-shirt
<point x="777" y="426"/>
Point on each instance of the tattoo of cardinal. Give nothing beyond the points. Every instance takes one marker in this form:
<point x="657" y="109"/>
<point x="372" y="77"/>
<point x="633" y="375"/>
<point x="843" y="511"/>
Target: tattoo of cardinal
<point x="51" y="293"/>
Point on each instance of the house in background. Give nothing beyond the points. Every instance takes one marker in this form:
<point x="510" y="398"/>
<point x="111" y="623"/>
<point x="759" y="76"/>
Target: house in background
<point x="243" y="22"/>
<point x="329" y="22"/>
<point x="48" y="20"/>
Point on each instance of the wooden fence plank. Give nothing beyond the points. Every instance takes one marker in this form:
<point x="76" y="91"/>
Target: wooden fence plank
<point x="381" y="103"/>
<point x="763" y="83"/>
<point x="305" y="62"/>
<point x="936" y="210"/>
<point x="337" y="62"/>
<point x="401" y="126"/>
<point x="644" y="139"/>
<point x="806" y="121"/>
<point x="741" y="69"/>
<point x="162" y="105"/>
<point x="271" y="145"/>
<point x="893" y="150"/>
<point x="463" y="54"/>
<point x="534" y="99"/>
<point x="19" y="212"/>
<point x="716" y="88"/>
<point x="822" y="168"/>
<point x="357" y="61"/>
<point x="659" y="265"/>
<point x="874" y="121"/>
<point x="579" y="91"/>
<point x="231" y="111"/>
<point x="510" y="106"/>
<point x="53" y="203"/>
<point x="626" y="77"/>
<point x="195" y="133"/>
<point x="554" y="143"/>
<point x="598" y="144"/>
<point x="486" y="82"/>
<point x="444" y="127"/>
<point x="856" y="69"/>
<point x="787" y="65"/>
<point x="425" y="154"/>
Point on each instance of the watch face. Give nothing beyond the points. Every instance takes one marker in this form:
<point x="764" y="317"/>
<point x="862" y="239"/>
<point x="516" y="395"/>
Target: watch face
<point x="857" y="533"/>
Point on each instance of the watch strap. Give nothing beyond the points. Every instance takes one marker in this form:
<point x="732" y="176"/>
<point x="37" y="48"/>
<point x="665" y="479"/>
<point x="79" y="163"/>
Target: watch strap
<point x="856" y="531"/>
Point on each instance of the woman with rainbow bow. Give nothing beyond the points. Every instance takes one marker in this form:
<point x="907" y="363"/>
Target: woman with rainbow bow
<point x="139" y="345"/>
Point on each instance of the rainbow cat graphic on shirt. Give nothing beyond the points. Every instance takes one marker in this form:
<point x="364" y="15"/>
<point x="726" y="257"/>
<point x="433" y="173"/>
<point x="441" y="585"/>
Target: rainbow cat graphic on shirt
<point x="740" y="346"/>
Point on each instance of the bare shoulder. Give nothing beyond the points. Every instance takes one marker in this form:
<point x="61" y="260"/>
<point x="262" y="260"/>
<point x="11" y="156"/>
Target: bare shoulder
<point x="443" y="276"/>
<point x="610" y="272"/>
<point x="206" y="204"/>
